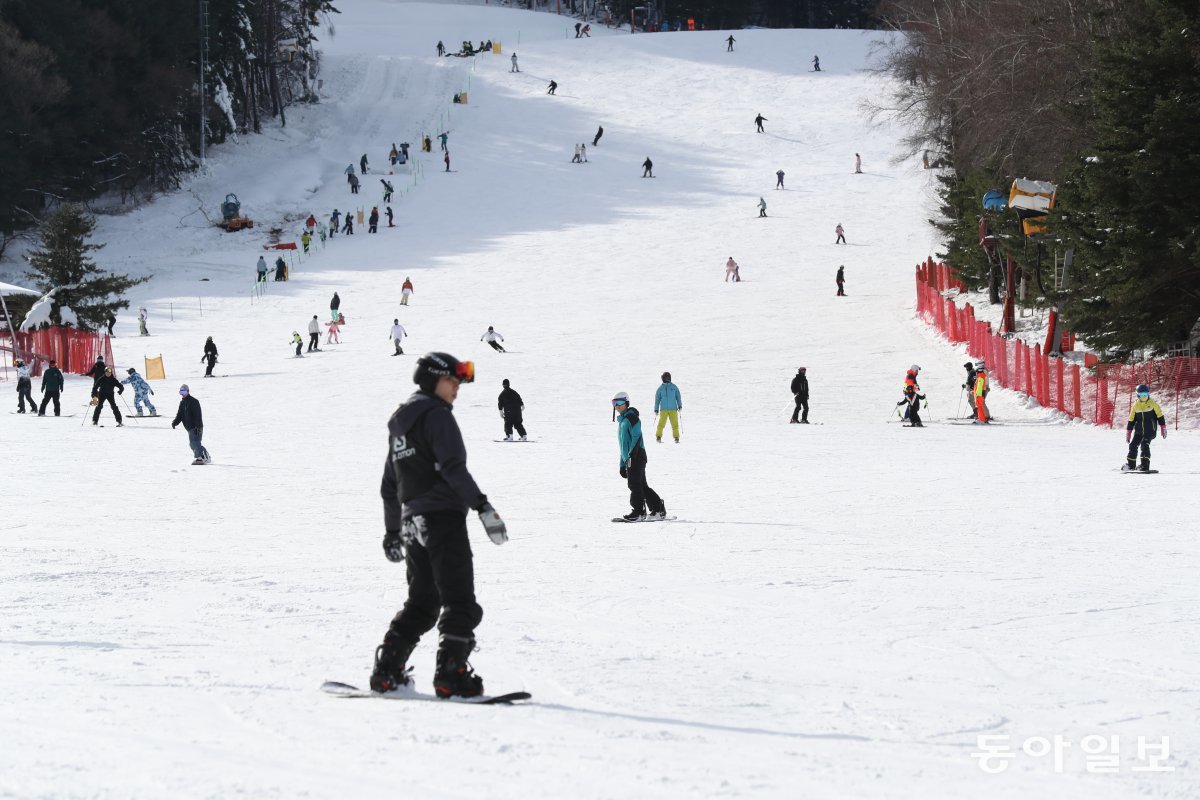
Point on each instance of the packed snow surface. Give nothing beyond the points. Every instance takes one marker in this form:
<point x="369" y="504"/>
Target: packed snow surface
<point x="841" y="609"/>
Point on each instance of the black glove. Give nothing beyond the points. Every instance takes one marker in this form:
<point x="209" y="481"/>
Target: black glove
<point x="393" y="546"/>
<point x="497" y="531"/>
<point x="174" y="425"/>
<point x="624" y="471"/>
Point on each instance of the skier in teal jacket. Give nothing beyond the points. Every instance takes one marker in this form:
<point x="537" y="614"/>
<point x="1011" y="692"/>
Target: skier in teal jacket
<point x="633" y="463"/>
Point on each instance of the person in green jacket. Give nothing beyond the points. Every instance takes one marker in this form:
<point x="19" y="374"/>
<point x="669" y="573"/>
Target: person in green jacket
<point x="1145" y="420"/>
<point x="52" y="386"/>
<point x="633" y="463"/>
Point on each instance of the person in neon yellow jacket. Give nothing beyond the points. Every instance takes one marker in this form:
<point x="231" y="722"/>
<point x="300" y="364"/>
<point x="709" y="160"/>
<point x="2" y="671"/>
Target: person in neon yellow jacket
<point x="667" y="405"/>
<point x="1145" y="420"/>
<point x="981" y="390"/>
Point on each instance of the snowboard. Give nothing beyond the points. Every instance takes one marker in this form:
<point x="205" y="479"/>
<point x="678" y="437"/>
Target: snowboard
<point x="48" y="414"/>
<point x="637" y="521"/>
<point x="338" y="689"/>
<point x="1139" y="471"/>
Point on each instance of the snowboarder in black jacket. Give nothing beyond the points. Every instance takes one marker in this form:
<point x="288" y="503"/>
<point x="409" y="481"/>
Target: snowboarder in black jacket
<point x="647" y="168"/>
<point x="52" y="386"/>
<point x="210" y="355"/>
<point x="190" y="416"/>
<point x="426" y="492"/>
<point x="511" y="407"/>
<point x="96" y="373"/>
<point x="104" y="392"/>
<point x="800" y="392"/>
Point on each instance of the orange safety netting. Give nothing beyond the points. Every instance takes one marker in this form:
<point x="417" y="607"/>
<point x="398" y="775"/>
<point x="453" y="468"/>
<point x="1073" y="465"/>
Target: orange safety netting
<point x="1099" y="393"/>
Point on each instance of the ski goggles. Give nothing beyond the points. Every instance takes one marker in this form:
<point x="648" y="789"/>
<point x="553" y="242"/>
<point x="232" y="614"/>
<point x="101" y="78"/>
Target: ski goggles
<point x="1143" y="394"/>
<point x="617" y="403"/>
<point x="465" y="371"/>
<point x="183" y="392"/>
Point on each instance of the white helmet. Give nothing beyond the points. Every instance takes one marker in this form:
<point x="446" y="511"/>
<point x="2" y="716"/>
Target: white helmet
<point x="914" y="368"/>
<point x="620" y="399"/>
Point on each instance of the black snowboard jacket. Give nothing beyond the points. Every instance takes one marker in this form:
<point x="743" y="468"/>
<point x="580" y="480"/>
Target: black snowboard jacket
<point x="426" y="467"/>
<point x="510" y="403"/>
<point x="189" y="414"/>
<point x="800" y="386"/>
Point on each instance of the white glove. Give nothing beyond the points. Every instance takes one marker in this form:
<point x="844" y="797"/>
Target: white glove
<point x="495" y="527"/>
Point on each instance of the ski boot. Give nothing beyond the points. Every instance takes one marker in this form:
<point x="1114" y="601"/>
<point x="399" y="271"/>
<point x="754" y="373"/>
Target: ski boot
<point x="391" y="664"/>
<point x="454" y="677"/>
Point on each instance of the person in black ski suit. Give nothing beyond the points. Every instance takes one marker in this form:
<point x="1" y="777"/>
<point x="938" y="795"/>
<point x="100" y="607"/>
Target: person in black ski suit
<point x="647" y="168"/>
<point x="970" y="387"/>
<point x="759" y="120"/>
<point x="426" y="492"/>
<point x="104" y="392"/>
<point x="193" y="422"/>
<point x="552" y="88"/>
<point x="841" y="281"/>
<point x="52" y="386"/>
<point x="511" y="407"/>
<point x="210" y="355"/>
<point x="334" y="304"/>
<point x="96" y="373"/>
<point x="800" y="392"/>
<point x="913" y="399"/>
<point x="596" y="138"/>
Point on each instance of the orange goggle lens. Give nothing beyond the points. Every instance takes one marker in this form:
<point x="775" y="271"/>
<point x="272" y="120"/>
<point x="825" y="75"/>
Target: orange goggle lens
<point x="465" y="371"/>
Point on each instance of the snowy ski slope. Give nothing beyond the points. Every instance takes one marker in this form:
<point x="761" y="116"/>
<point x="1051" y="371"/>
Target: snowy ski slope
<point x="841" y="609"/>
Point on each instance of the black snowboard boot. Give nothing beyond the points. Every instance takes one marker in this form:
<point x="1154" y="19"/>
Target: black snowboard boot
<point x="391" y="664"/>
<point x="1130" y="465"/>
<point x="454" y="677"/>
<point x="1145" y="465"/>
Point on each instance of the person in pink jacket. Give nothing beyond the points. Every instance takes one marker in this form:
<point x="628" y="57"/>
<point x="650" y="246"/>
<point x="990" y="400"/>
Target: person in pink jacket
<point x="731" y="269"/>
<point x="841" y="234"/>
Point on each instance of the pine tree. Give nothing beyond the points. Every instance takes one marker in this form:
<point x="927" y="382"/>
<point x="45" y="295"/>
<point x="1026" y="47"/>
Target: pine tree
<point x="1129" y="207"/>
<point x="64" y="260"/>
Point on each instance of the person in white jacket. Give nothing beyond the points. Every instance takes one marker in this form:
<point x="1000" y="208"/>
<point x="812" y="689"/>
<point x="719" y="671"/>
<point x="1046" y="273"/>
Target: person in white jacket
<point x="24" y="387"/>
<point x="314" y="335"/>
<point x="397" y="334"/>
<point x="493" y="338"/>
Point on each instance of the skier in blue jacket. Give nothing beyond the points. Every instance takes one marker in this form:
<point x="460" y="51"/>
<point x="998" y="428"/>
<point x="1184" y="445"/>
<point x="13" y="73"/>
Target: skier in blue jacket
<point x="667" y="405"/>
<point x="633" y="463"/>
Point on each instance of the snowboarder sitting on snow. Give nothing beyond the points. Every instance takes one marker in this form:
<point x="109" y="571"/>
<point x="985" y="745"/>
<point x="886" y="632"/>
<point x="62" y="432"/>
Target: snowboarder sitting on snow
<point x="1145" y="419"/>
<point x="492" y="337"/>
<point x="732" y="270"/>
<point x="210" y="355"/>
<point x="633" y="462"/>
<point x="426" y="492"/>
<point x="511" y="410"/>
<point x="141" y="392"/>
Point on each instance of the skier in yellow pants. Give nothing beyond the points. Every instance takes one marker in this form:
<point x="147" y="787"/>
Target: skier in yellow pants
<point x="667" y="405"/>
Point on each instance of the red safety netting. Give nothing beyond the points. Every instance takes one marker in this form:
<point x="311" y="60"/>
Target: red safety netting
<point x="73" y="349"/>
<point x="1099" y="393"/>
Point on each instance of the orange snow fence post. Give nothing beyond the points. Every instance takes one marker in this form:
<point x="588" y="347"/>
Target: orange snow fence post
<point x="154" y="370"/>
